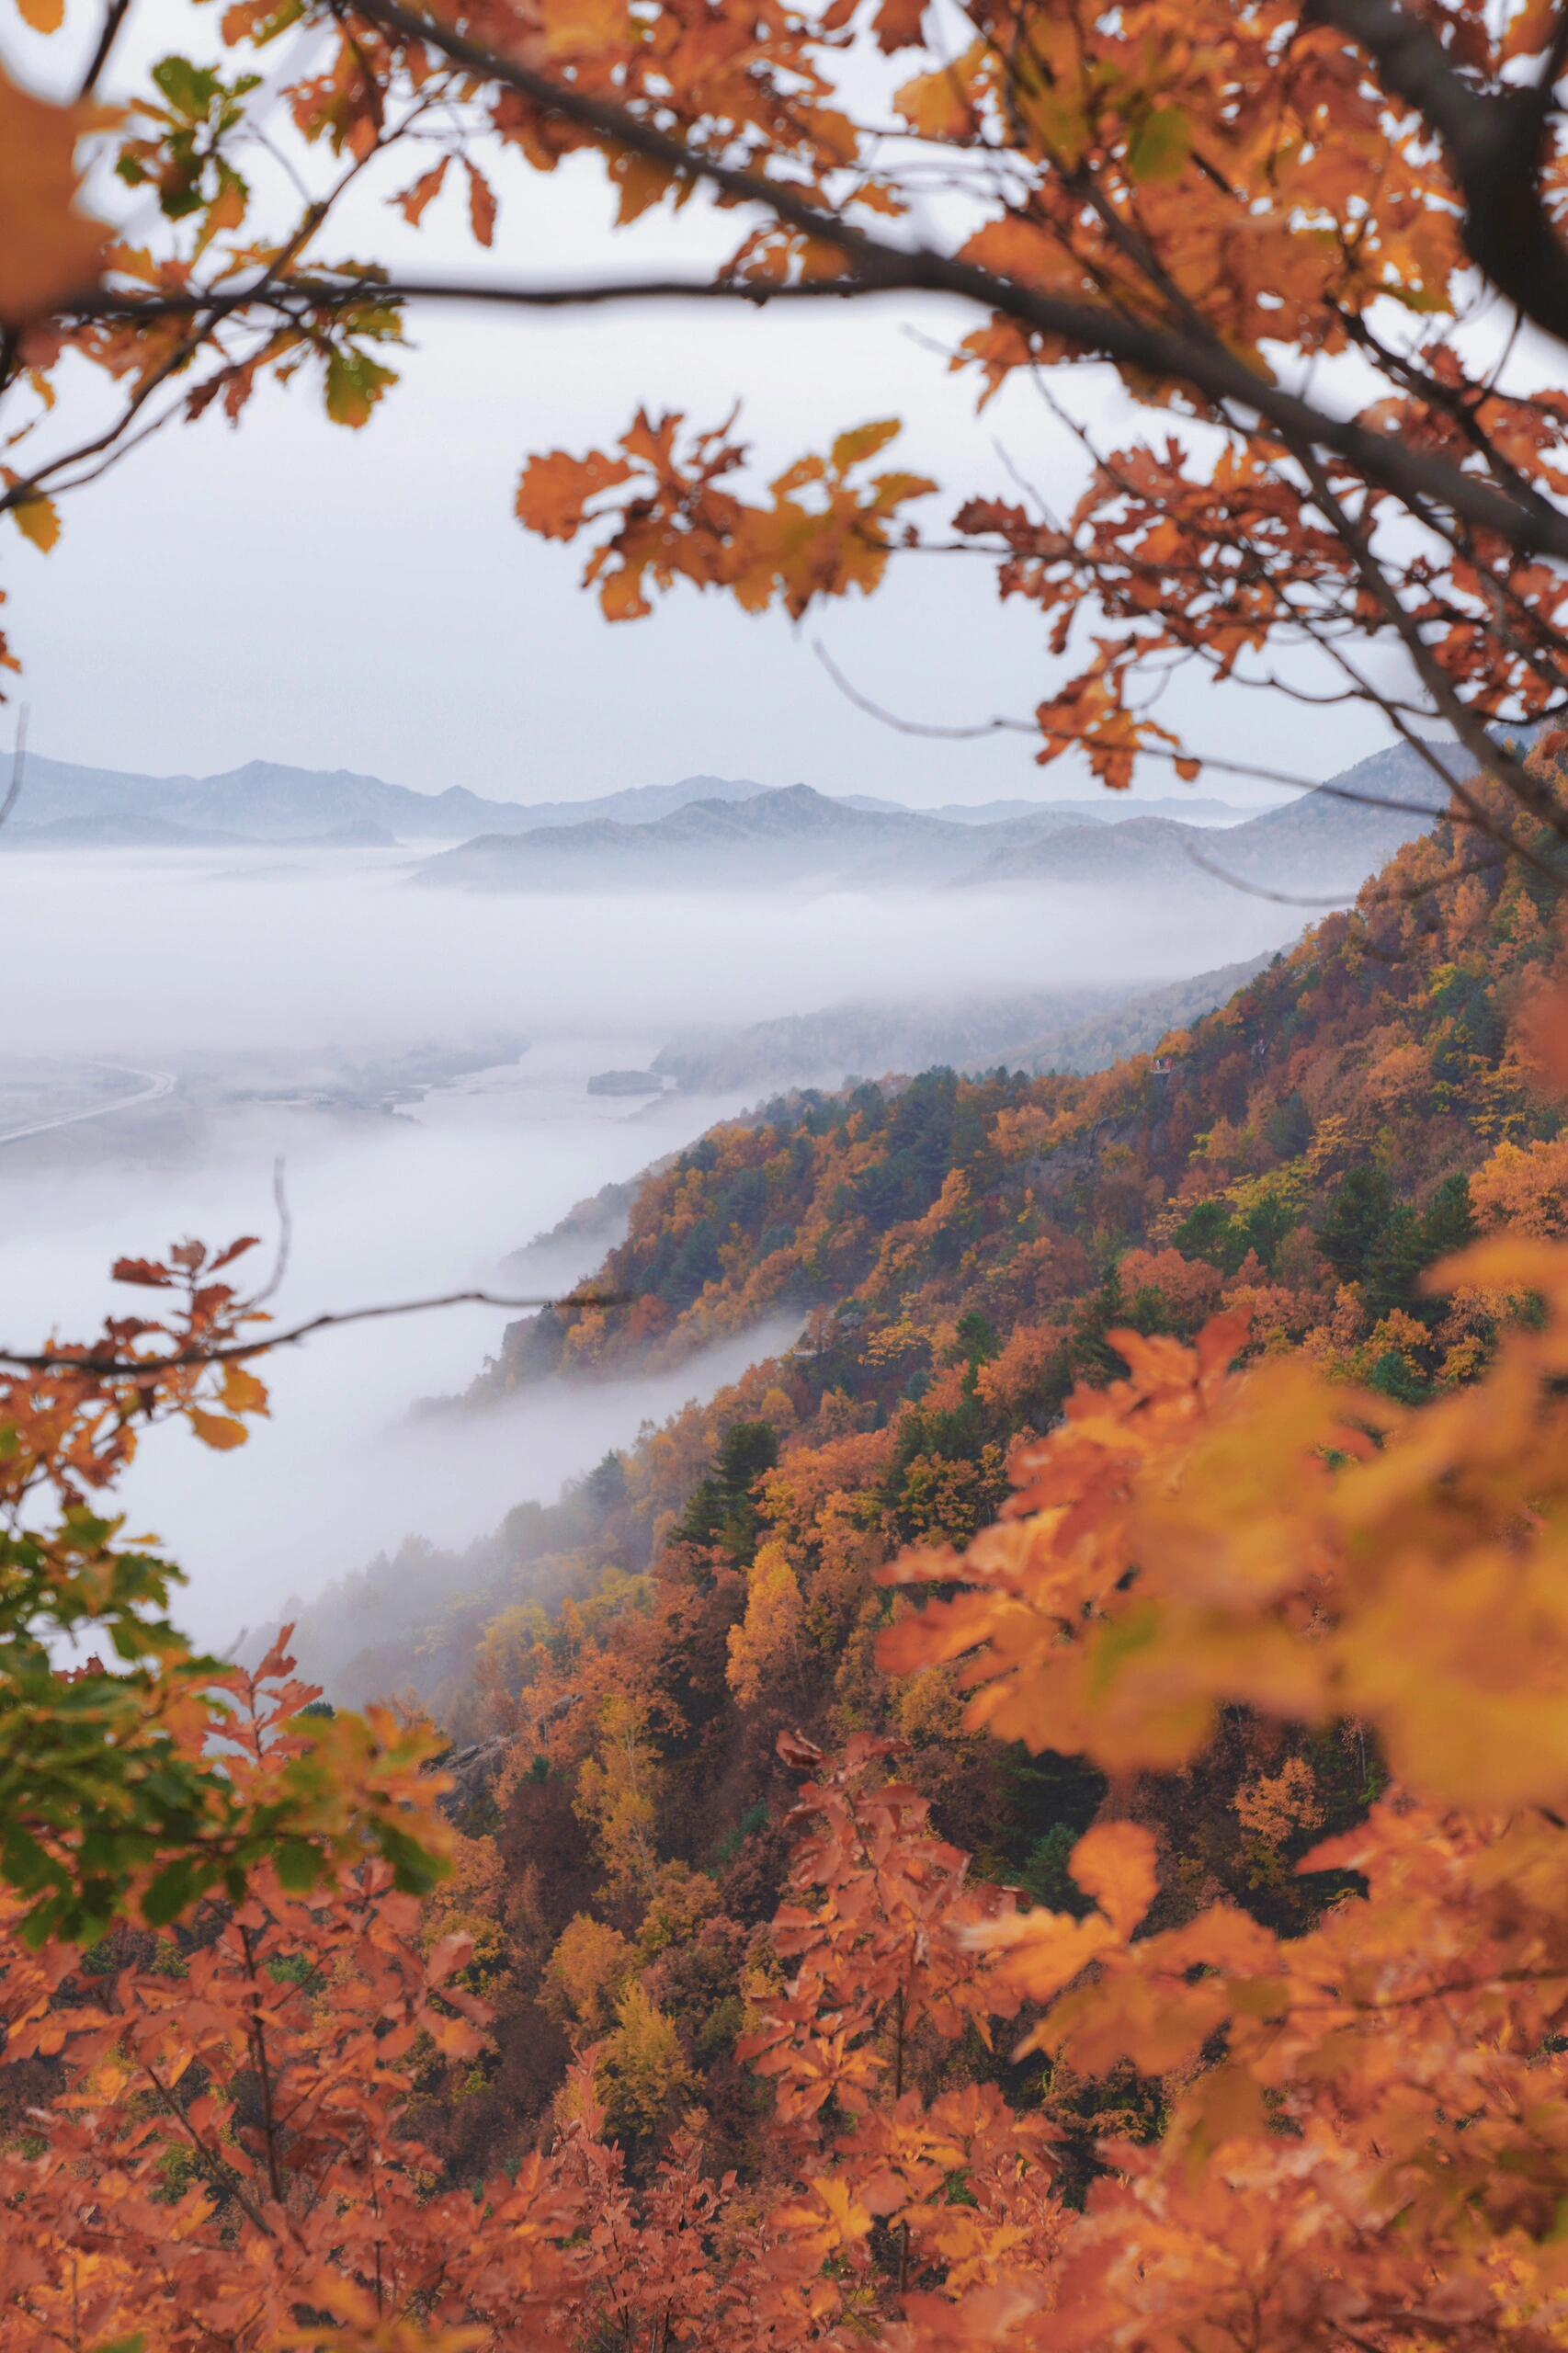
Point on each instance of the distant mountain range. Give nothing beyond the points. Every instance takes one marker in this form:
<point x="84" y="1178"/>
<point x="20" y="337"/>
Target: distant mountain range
<point x="1322" y="844"/>
<point x="1110" y="808"/>
<point x="732" y="833"/>
<point x="64" y="806"/>
<point x="790" y="835"/>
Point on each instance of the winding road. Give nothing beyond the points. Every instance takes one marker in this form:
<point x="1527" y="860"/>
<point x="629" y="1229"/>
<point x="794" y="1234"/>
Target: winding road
<point x="156" y="1084"/>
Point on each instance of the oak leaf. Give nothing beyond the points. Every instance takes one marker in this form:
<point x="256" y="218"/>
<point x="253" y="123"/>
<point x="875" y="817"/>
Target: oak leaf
<point x="49" y="247"/>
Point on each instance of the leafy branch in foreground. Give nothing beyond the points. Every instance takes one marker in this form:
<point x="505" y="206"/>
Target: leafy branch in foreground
<point x="1270" y="222"/>
<point x="123" y="1778"/>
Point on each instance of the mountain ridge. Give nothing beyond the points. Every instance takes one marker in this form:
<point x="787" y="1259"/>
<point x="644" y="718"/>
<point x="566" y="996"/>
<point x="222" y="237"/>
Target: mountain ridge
<point x="271" y="801"/>
<point x="1326" y="842"/>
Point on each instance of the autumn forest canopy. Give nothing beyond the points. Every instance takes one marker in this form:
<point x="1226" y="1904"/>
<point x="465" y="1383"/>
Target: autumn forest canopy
<point x="1027" y="1804"/>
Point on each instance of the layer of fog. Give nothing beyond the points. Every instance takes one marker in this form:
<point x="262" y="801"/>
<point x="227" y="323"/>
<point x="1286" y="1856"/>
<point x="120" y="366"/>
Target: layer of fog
<point x="189" y="966"/>
<point x="198" y="952"/>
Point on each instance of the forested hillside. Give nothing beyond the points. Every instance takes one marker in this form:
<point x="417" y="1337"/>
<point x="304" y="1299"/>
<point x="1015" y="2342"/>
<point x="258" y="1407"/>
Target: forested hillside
<point x="1373" y="1055"/>
<point x="958" y="1252"/>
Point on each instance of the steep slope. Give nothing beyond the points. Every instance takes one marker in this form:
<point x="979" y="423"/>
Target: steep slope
<point x="616" y="1668"/>
<point x="1137" y="1023"/>
<point x="1325" y="844"/>
<point x="1071" y="1029"/>
<point x="811" y="1203"/>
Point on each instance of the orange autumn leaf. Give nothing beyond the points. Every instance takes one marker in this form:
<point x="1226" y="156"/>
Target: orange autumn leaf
<point x="482" y="206"/>
<point x="1114" y="1863"/>
<point x="897" y="23"/>
<point x="555" y="492"/>
<point x="49" y="247"/>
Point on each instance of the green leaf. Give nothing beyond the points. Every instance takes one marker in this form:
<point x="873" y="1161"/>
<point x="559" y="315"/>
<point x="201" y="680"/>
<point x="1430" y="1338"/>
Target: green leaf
<point x="297" y="1866"/>
<point x="1160" y="146"/>
<point x="415" y="1870"/>
<point x="174" y="1889"/>
<point x="355" y="382"/>
<point x="25" y="1863"/>
<point x="1119" y="1640"/>
<point x="188" y="88"/>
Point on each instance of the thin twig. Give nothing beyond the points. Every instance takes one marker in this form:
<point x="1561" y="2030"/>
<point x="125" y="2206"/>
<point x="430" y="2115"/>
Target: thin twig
<point x="104" y="1366"/>
<point x="999" y="725"/>
<point x="1383" y="896"/>
<point x="285" y="1235"/>
<point x="115" y="16"/>
<point x="336" y="294"/>
<point x="18" y="761"/>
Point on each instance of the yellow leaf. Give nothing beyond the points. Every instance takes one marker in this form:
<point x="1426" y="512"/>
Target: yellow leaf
<point x="216" y="1429"/>
<point x="640" y="183"/>
<point x="243" y="1393"/>
<point x="863" y="442"/>
<point x="38" y="520"/>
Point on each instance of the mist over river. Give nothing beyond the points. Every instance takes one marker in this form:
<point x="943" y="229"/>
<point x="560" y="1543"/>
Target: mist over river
<point x="419" y="1061"/>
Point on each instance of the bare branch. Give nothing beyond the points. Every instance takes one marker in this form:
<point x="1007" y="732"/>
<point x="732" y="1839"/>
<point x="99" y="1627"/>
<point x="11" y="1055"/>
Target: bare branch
<point x="1384" y="895"/>
<point x="285" y="1235"/>
<point x="115" y="16"/>
<point x="961" y="733"/>
<point x="103" y="1366"/>
<point x="19" y="762"/>
<point x="293" y="295"/>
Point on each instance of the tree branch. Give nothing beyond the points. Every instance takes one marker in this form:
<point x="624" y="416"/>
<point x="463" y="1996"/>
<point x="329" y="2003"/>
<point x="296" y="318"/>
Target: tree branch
<point x="1492" y="143"/>
<point x="109" y="33"/>
<point x="1094" y="329"/>
<point x="293" y="295"/>
<point x="103" y="1366"/>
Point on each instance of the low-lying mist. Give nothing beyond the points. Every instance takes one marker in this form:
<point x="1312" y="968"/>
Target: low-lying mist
<point x="231" y="953"/>
<point x="264" y="986"/>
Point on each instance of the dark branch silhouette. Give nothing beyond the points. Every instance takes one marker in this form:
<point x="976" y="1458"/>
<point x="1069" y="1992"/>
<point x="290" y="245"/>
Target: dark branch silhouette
<point x="1494" y="141"/>
<point x="105" y="1366"/>
<point x="115" y="16"/>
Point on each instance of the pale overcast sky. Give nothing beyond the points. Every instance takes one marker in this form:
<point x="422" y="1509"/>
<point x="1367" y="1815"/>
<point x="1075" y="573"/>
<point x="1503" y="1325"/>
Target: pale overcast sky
<point x="294" y="592"/>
